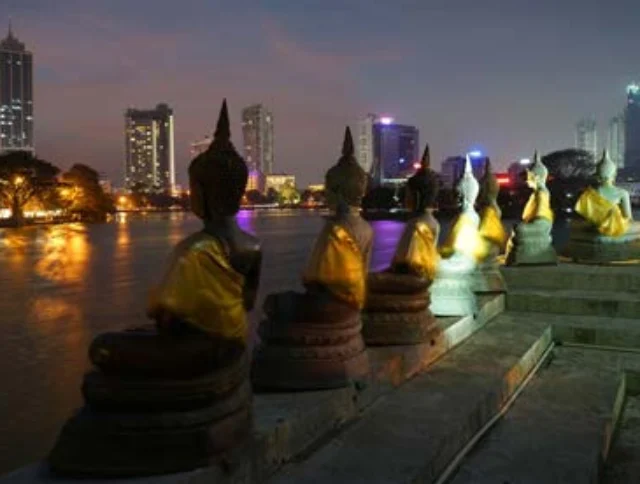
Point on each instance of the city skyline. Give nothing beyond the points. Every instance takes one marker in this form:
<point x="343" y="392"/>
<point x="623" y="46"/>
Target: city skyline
<point x="318" y="70"/>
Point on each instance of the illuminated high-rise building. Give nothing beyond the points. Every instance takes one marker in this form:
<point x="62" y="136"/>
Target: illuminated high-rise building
<point x="387" y="150"/>
<point x="149" y="145"/>
<point x="615" y="140"/>
<point x="632" y="131"/>
<point x="257" y="131"/>
<point x="16" y="95"/>
<point x="587" y="136"/>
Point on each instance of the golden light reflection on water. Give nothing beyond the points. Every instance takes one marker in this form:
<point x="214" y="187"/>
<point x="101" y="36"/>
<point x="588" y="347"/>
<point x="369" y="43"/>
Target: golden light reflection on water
<point x="65" y="253"/>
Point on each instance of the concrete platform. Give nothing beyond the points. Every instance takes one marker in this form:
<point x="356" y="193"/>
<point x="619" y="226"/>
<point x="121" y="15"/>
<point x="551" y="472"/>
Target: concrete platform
<point x="576" y="302"/>
<point x="615" y="278"/>
<point x="290" y="424"/>
<point x="623" y="465"/>
<point x="561" y="426"/>
<point x="413" y="433"/>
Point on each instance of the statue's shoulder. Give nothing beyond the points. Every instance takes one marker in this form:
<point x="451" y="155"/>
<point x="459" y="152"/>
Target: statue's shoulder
<point x="197" y="242"/>
<point x="248" y="242"/>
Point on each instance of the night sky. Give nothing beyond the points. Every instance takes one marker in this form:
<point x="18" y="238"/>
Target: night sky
<point x="505" y="76"/>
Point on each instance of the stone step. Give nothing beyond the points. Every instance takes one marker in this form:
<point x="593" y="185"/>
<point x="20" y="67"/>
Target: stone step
<point x="575" y="301"/>
<point x="616" y="333"/>
<point x="560" y="427"/>
<point x="623" y="465"/>
<point x="413" y="433"/>
<point x="616" y="278"/>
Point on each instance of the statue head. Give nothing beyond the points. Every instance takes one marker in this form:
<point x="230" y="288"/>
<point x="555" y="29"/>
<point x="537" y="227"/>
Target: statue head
<point x="423" y="187"/>
<point x="346" y="181"/>
<point x="537" y="173"/>
<point x="606" y="169"/>
<point x="468" y="186"/>
<point x="489" y="187"/>
<point x="218" y="177"/>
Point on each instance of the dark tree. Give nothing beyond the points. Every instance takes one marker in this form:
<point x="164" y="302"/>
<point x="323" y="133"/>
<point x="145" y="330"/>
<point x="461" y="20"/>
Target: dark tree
<point x="24" y="178"/>
<point x="255" y="197"/>
<point x="83" y="194"/>
<point x="570" y="164"/>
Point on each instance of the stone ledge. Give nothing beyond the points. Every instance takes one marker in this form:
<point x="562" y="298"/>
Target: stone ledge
<point x="289" y="424"/>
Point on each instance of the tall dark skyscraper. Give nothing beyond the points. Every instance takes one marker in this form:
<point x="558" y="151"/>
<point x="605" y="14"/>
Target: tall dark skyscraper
<point x="16" y="95"/>
<point x="632" y="131"/>
<point x="149" y="145"/>
<point x="395" y="150"/>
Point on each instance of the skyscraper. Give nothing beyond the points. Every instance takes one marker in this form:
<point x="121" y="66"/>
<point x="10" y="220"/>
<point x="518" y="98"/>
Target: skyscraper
<point x="387" y="150"/>
<point x="364" y="142"/>
<point x="16" y="95"/>
<point x="587" y="136"/>
<point x="632" y="131"/>
<point x="615" y="140"/>
<point x="149" y="144"/>
<point x="257" y="130"/>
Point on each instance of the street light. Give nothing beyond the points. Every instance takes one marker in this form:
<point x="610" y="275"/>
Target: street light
<point x="18" y="180"/>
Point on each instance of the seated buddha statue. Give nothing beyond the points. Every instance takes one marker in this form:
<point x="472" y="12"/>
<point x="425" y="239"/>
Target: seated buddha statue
<point x="184" y="381"/>
<point x="397" y="306"/>
<point x="313" y="340"/>
<point x="605" y="230"/>
<point x="451" y="291"/>
<point x="488" y="277"/>
<point x="530" y="242"/>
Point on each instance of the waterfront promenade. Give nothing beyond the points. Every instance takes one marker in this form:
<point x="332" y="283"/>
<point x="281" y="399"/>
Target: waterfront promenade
<point x="84" y="280"/>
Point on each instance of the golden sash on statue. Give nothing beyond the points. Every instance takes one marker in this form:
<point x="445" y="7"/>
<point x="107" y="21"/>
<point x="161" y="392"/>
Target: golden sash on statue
<point x="604" y="215"/>
<point x="491" y="227"/>
<point x="418" y="251"/>
<point x="538" y="206"/>
<point x="202" y="289"/>
<point x="464" y="238"/>
<point x="337" y="264"/>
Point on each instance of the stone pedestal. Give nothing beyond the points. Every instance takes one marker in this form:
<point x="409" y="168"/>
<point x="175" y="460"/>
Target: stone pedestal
<point x="531" y="244"/>
<point x="309" y="341"/>
<point x="452" y="291"/>
<point x="588" y="246"/>
<point x="148" y="425"/>
<point x="487" y="279"/>
<point x="397" y="310"/>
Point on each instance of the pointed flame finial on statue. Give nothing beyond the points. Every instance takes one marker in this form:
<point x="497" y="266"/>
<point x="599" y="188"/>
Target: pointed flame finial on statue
<point x="538" y="168"/>
<point x="425" y="163"/>
<point x="223" y="131"/>
<point x="347" y="144"/>
<point x="468" y="167"/>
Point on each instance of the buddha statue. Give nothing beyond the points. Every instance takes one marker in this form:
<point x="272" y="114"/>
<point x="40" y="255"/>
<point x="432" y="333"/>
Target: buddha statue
<point x="488" y="278"/>
<point x="530" y="242"/>
<point x="176" y="395"/>
<point x="313" y="340"/>
<point x="452" y="290"/>
<point x="605" y="230"/>
<point x="397" y="306"/>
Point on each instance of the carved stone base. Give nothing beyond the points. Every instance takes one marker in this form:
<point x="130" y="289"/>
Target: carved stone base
<point x="397" y="310"/>
<point x="452" y="295"/>
<point x="280" y="368"/>
<point x="387" y="329"/>
<point x="530" y="244"/>
<point x="309" y="342"/>
<point x="110" y="444"/>
<point x="488" y="278"/>
<point x="588" y="246"/>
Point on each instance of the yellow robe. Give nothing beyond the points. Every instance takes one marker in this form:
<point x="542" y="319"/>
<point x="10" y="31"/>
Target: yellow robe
<point x="464" y="238"/>
<point x="337" y="263"/>
<point x="202" y="289"/>
<point x="538" y="206"/>
<point x="606" y="216"/>
<point x="418" y="250"/>
<point x="491" y="228"/>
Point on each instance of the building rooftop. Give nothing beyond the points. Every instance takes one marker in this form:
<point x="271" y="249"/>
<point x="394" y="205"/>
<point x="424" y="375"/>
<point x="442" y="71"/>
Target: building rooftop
<point x="11" y="42"/>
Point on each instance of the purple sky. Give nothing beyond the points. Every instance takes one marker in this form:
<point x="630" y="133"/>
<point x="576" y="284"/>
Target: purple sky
<point x="506" y="76"/>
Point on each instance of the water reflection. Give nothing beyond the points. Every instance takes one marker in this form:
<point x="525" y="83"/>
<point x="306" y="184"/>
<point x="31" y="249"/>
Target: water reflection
<point x="247" y="220"/>
<point x="386" y="234"/>
<point x="65" y="253"/>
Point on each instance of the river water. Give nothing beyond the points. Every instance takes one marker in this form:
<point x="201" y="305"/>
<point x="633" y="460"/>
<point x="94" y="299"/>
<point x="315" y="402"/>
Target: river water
<point x="62" y="285"/>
